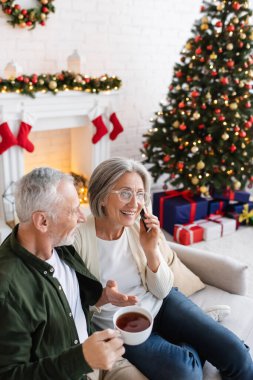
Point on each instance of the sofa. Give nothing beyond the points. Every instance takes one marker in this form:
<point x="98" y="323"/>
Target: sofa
<point x="226" y="283"/>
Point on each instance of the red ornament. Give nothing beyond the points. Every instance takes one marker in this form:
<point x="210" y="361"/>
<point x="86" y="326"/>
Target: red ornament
<point x="251" y="119"/>
<point x="240" y="44"/>
<point x="242" y="134"/>
<point x="45" y="10"/>
<point x="195" y="94"/>
<point x="236" y="128"/>
<point x="201" y="126"/>
<point x="219" y="24"/>
<point x="248" y="105"/>
<point x="171" y="87"/>
<point x="217" y="111"/>
<point x="232" y="148"/>
<point x="224" y="80"/>
<point x="220" y="50"/>
<point x="203" y="106"/>
<point x="166" y="158"/>
<point x="247" y="124"/>
<point x="236" y="6"/>
<point x="181" y="105"/>
<point x="198" y="51"/>
<point x="208" y="138"/>
<point x="24" y="12"/>
<point x="209" y="47"/>
<point x="29" y="23"/>
<point x="230" y="28"/>
<point x="222" y="118"/>
<point x="180" y="165"/>
<point x="146" y="145"/>
<point x="214" y="73"/>
<point x="17" y="6"/>
<point x="181" y="147"/>
<point x="182" y="127"/>
<point x="179" y="74"/>
<point x="202" y="8"/>
<point x="230" y="64"/>
<point x="202" y="59"/>
<point x="197" y="38"/>
<point x="26" y="79"/>
<point x="20" y="78"/>
<point x="189" y="79"/>
<point x="248" y="86"/>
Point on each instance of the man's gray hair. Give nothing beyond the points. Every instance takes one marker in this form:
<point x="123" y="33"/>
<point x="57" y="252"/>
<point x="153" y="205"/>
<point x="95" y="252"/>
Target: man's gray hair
<point x="106" y="174"/>
<point x="37" y="191"/>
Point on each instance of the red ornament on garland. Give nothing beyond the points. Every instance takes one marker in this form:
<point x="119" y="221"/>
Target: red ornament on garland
<point x="236" y="6"/>
<point x="182" y="127"/>
<point x="230" y="64"/>
<point x="219" y="24"/>
<point x="248" y="105"/>
<point x="166" y="158"/>
<point x="237" y="128"/>
<point x="242" y="134"/>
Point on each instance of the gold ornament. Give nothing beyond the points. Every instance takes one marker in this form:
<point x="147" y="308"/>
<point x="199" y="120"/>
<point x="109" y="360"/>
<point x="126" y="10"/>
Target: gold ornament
<point x="195" y="180"/>
<point x="52" y="85"/>
<point x="237" y="185"/>
<point x="225" y="136"/>
<point x="213" y="56"/>
<point x="196" y="115"/>
<point x="188" y="46"/>
<point x="44" y="2"/>
<point x="204" y="20"/>
<point x="176" y="124"/>
<point x="233" y="106"/>
<point x="203" y="189"/>
<point x="230" y="46"/>
<point x="200" y="165"/>
<point x="204" y="27"/>
<point x="194" y="149"/>
<point x="220" y="7"/>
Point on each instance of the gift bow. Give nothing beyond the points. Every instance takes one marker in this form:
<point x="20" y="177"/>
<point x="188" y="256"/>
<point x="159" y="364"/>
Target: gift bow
<point x="246" y="214"/>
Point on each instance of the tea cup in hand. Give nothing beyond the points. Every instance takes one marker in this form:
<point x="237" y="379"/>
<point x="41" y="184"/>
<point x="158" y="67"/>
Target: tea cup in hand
<point x="134" y="323"/>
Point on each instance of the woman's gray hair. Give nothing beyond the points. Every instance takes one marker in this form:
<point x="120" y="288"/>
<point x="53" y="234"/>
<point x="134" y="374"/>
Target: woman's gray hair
<point x="106" y="174"/>
<point x="37" y="191"/>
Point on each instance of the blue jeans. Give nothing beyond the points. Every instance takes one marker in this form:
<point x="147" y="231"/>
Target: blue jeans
<point x="183" y="338"/>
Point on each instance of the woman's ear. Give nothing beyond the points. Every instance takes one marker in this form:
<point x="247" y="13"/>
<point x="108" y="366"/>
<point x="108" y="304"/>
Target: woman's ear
<point x="40" y="220"/>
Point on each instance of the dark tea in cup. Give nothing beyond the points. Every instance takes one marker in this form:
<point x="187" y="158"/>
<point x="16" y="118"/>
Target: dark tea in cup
<point x="133" y="322"/>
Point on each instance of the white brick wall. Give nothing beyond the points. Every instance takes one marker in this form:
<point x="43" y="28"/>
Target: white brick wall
<point x="138" y="40"/>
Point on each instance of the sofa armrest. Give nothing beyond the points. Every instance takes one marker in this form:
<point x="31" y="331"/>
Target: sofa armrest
<point x="213" y="269"/>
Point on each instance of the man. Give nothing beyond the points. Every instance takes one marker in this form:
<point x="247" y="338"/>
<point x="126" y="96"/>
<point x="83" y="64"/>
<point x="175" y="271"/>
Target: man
<point x="46" y="292"/>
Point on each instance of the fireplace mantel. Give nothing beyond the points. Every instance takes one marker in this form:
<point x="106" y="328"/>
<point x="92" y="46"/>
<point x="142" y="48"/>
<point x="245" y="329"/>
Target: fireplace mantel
<point x="68" y="109"/>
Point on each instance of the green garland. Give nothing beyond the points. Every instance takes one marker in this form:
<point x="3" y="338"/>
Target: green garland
<point x="63" y="81"/>
<point x="27" y="18"/>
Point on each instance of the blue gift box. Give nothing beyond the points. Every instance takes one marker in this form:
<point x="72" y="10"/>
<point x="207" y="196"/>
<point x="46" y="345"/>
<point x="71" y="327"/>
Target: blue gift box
<point x="216" y="206"/>
<point x="178" y="210"/>
<point x="240" y="196"/>
<point x="238" y="206"/>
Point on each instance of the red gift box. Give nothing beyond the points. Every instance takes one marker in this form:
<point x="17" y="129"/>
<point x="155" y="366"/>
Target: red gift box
<point x="188" y="234"/>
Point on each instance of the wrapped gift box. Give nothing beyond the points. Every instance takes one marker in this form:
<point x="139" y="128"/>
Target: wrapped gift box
<point x="188" y="234"/>
<point x="234" y="215"/>
<point x="239" y="207"/>
<point x="240" y="196"/>
<point x="211" y="230"/>
<point x="178" y="207"/>
<point x="216" y="206"/>
<point x="217" y="227"/>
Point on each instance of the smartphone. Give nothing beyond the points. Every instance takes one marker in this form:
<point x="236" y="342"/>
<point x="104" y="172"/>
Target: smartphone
<point x="142" y="214"/>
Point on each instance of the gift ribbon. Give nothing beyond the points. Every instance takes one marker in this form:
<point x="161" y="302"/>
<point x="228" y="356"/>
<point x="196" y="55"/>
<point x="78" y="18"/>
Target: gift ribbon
<point x="246" y="214"/>
<point x="186" y="228"/>
<point x="186" y="194"/>
<point x="229" y="194"/>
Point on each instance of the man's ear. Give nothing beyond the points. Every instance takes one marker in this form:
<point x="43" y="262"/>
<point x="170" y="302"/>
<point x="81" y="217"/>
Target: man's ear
<point x="40" y="220"/>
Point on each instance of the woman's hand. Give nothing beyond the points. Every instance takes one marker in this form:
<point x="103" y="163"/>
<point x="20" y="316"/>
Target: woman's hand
<point x="112" y="295"/>
<point x="149" y="240"/>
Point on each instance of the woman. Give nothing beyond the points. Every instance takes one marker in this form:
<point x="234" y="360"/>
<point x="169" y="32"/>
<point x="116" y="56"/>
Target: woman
<point x="115" y="246"/>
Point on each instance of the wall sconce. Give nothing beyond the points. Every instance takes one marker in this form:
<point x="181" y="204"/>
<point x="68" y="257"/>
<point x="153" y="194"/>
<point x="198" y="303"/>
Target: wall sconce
<point x="74" y="62"/>
<point x="12" y="70"/>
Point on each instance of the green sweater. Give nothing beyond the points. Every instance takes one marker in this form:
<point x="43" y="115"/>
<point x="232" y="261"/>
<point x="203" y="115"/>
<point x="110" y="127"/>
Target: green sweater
<point x="38" y="337"/>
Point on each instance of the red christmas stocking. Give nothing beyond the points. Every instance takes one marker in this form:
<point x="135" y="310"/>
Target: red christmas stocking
<point x="7" y="139"/>
<point x="117" y="127"/>
<point x="101" y="129"/>
<point x="24" y="130"/>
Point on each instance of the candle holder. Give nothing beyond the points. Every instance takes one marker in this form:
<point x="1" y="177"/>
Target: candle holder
<point x="9" y="208"/>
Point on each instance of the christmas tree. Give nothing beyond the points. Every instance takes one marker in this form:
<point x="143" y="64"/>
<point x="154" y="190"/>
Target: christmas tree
<point x="202" y="135"/>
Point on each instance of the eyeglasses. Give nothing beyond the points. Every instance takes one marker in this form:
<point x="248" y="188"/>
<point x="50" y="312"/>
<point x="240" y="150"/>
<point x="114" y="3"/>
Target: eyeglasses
<point x="126" y="195"/>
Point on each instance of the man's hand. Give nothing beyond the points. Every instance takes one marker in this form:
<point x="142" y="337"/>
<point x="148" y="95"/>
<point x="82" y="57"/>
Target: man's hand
<point x="112" y="295"/>
<point x="103" y="348"/>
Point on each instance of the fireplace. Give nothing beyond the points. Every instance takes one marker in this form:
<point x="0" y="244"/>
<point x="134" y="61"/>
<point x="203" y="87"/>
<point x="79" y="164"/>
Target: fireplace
<point x="61" y="134"/>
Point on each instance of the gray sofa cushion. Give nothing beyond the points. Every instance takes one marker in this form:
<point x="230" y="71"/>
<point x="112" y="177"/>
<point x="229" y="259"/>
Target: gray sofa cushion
<point x="240" y="321"/>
